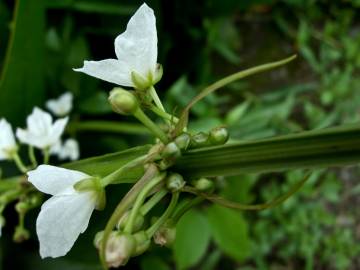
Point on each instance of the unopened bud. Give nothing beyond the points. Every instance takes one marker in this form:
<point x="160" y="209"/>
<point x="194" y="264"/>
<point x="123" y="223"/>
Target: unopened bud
<point x="138" y="223"/>
<point x="21" y="207"/>
<point x="199" y="140"/>
<point x="165" y="164"/>
<point x="219" y="136"/>
<point x="165" y="236"/>
<point x="183" y="141"/>
<point x="98" y="238"/>
<point x="21" y="234"/>
<point x="171" y="150"/>
<point x="119" y="249"/>
<point x="203" y="184"/>
<point x="175" y="182"/>
<point x="142" y="243"/>
<point x="123" y="101"/>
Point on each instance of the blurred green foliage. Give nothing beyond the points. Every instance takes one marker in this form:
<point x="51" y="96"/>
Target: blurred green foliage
<point x="199" y="42"/>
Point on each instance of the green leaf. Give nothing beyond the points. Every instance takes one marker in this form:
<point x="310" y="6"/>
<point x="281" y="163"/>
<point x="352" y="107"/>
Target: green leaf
<point x="152" y="262"/>
<point x="107" y="126"/>
<point x="310" y="149"/>
<point x="192" y="239"/>
<point x="230" y="231"/>
<point x="22" y="82"/>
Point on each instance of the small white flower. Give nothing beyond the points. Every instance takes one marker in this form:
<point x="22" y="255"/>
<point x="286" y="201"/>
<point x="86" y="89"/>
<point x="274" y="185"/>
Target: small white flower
<point x="66" y="214"/>
<point x="136" y="50"/>
<point x="68" y="150"/>
<point x="41" y="132"/>
<point x="7" y="140"/>
<point x="61" y="106"/>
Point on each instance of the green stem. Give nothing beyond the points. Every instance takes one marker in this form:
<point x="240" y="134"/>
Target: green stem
<point x="122" y="207"/>
<point x="142" y="117"/>
<point x="156" y="98"/>
<point x="166" y="116"/>
<point x="32" y="156"/>
<point x="152" y="230"/>
<point x="185" y="207"/>
<point x="119" y="172"/>
<point x="46" y="154"/>
<point x="140" y="200"/>
<point x="153" y="201"/>
<point x="16" y="158"/>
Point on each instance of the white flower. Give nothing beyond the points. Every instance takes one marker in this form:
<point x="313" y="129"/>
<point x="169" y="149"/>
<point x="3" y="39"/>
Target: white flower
<point x="136" y="50"/>
<point x="41" y="132"/>
<point x="66" y="214"/>
<point x="61" y="106"/>
<point x="68" y="150"/>
<point x="7" y="140"/>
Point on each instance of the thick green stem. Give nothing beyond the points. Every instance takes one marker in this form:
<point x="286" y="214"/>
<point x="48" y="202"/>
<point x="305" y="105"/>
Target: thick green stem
<point x="142" y="117"/>
<point x="140" y="200"/>
<point x="123" y="206"/>
<point x="153" y="201"/>
<point x="152" y="230"/>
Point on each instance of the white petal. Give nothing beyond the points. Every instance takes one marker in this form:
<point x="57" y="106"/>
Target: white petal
<point x="70" y="150"/>
<point x="7" y="140"/>
<point x="137" y="46"/>
<point x="110" y="70"/>
<point x="61" y="106"/>
<point x="61" y="220"/>
<point x="57" y="130"/>
<point x="39" y="122"/>
<point x="54" y="180"/>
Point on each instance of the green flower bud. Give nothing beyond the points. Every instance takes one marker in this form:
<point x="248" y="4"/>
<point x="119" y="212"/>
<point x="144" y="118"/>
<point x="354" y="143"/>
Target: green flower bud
<point x="119" y="249"/>
<point x="165" y="164"/>
<point x="183" y="141"/>
<point x="142" y="243"/>
<point x="199" y="140"/>
<point x="123" y="101"/>
<point x="219" y="136"/>
<point x="171" y="150"/>
<point x="165" y="236"/>
<point x="158" y="73"/>
<point x="98" y="238"/>
<point x="21" y="207"/>
<point x="175" y="182"/>
<point x="21" y="234"/>
<point x="203" y="184"/>
<point x="138" y="223"/>
<point x="140" y="82"/>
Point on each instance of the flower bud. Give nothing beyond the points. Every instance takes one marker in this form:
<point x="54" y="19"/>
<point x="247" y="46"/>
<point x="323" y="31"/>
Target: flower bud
<point x="158" y="73"/>
<point x="183" y="141"/>
<point x="219" y="136"/>
<point x="165" y="164"/>
<point x="142" y="243"/>
<point x="171" y="150"/>
<point x="140" y="82"/>
<point x="138" y="223"/>
<point x="119" y="249"/>
<point x="21" y="207"/>
<point x="165" y="236"/>
<point x="123" y="101"/>
<point x="199" y="140"/>
<point x="175" y="182"/>
<point x="203" y="184"/>
<point x="97" y="239"/>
